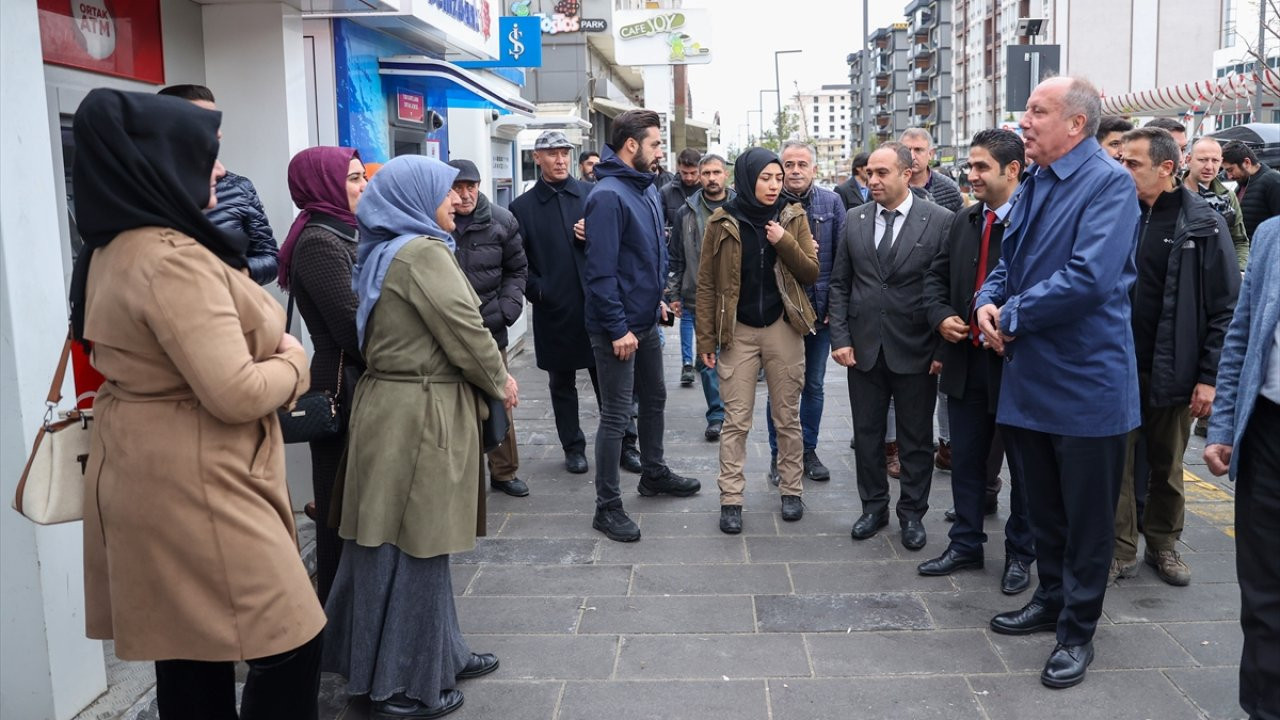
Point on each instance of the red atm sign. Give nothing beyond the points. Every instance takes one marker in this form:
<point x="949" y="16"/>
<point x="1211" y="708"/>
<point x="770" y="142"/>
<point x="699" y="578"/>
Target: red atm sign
<point x="410" y="107"/>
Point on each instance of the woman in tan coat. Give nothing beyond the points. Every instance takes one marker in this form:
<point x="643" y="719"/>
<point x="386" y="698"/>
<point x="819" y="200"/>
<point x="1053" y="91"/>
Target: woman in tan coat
<point x="753" y="312"/>
<point x="190" y="554"/>
<point x="413" y="483"/>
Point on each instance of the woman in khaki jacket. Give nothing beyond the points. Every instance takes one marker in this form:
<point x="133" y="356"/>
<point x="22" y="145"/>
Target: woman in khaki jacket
<point x="413" y="481"/>
<point x="190" y="553"/>
<point x="752" y="310"/>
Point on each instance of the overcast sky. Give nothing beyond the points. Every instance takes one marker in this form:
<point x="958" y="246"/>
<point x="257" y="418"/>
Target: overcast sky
<point x="745" y="34"/>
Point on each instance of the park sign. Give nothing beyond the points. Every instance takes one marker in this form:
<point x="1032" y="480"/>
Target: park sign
<point x="662" y="37"/>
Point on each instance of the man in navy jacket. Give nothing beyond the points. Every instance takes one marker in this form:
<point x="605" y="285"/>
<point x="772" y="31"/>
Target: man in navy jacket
<point x="625" y="275"/>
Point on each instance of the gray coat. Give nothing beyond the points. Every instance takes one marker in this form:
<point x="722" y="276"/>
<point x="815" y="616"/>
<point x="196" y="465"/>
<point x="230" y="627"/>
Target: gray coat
<point x="687" y="229"/>
<point x="878" y="310"/>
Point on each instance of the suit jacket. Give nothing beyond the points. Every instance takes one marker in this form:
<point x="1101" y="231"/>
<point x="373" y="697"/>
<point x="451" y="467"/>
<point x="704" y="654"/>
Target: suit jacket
<point x="949" y="289"/>
<point x="878" y="309"/>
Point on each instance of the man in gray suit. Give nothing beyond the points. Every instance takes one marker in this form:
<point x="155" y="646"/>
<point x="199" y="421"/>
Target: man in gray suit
<point x="879" y="331"/>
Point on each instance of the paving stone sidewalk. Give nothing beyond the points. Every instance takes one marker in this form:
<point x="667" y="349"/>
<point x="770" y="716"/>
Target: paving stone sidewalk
<point x="790" y="620"/>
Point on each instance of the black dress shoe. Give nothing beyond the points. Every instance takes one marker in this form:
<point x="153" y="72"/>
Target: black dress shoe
<point x="989" y="508"/>
<point x="400" y="706"/>
<point x="479" y="664"/>
<point x="1033" y="617"/>
<point x="774" y="478"/>
<point x="712" y="433"/>
<point x="731" y="519"/>
<point x="514" y="487"/>
<point x="667" y="482"/>
<point x="575" y="461"/>
<point x="792" y="508"/>
<point x="630" y="459"/>
<point x="913" y="535"/>
<point x="1017" y="577"/>
<point x="949" y="562"/>
<point x="868" y="524"/>
<point x="1066" y="665"/>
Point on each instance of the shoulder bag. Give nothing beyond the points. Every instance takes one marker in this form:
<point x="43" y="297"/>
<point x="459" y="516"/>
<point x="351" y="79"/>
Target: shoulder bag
<point x="316" y="415"/>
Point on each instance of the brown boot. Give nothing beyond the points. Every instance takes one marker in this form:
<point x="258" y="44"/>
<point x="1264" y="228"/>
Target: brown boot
<point x="942" y="458"/>
<point x="891" y="459"/>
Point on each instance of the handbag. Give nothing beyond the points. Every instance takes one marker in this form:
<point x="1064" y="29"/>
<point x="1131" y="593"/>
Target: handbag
<point x="315" y="415"/>
<point x="494" y="428"/>
<point x="51" y="489"/>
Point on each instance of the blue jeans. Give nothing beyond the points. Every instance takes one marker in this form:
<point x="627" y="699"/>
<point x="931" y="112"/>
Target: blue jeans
<point x="817" y="348"/>
<point x="686" y="338"/>
<point x="638" y="380"/>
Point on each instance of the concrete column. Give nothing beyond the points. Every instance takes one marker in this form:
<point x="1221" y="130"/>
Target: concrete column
<point x="50" y="670"/>
<point x="254" y="62"/>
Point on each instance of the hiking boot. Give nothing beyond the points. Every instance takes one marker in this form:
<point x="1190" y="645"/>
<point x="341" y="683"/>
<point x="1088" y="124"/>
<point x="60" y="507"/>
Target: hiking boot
<point x="891" y="460"/>
<point x="813" y="467"/>
<point x="686" y="376"/>
<point x="667" y="482"/>
<point x="792" y="508"/>
<point x="774" y="478"/>
<point x="1121" y="570"/>
<point x="616" y="524"/>
<point x="731" y="519"/>
<point x="942" y="458"/>
<point x="1169" y="566"/>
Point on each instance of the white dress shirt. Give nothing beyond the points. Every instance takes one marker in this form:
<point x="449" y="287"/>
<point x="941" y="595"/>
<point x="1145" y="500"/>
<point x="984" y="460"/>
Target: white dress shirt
<point x="903" y="208"/>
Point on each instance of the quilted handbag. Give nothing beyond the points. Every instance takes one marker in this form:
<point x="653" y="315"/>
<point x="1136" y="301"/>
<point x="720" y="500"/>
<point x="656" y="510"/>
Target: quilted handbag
<point x="51" y="489"/>
<point x="316" y="415"/>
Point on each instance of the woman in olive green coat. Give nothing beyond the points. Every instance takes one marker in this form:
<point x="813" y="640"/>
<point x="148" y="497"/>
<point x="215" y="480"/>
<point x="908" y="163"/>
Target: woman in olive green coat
<point x="412" y="479"/>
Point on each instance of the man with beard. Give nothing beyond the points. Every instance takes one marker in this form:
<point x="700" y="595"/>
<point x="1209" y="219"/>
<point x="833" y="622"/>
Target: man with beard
<point x="687" y="230"/>
<point x="624" y="277"/>
<point x="688" y="182"/>
<point x="547" y="213"/>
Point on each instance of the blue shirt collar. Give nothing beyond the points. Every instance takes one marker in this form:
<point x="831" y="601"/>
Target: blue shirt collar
<point x="1064" y="166"/>
<point x="1002" y="212"/>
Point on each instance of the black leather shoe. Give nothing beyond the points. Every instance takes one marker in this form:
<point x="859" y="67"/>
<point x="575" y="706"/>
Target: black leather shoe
<point x="731" y="519"/>
<point x="1066" y="665"/>
<point x="479" y="664"/>
<point x="514" y="487"/>
<point x="575" y="461"/>
<point x="792" y="508"/>
<point x="401" y="706"/>
<point x="868" y="524"/>
<point x="712" y="433"/>
<point x="630" y="459"/>
<point x="949" y="562"/>
<point x="813" y="467"/>
<point x="616" y="524"/>
<point x="913" y="535"/>
<point x="774" y="478"/>
<point x="1033" y="617"/>
<point x="989" y="508"/>
<point x="1017" y="577"/>
<point x="669" y="483"/>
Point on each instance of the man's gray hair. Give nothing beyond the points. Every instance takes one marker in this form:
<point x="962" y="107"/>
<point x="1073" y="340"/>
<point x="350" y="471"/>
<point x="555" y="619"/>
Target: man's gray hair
<point x="789" y="144"/>
<point x="1161" y="147"/>
<point x="917" y="132"/>
<point x="1082" y="98"/>
<point x="710" y="158"/>
<point x="905" y="162"/>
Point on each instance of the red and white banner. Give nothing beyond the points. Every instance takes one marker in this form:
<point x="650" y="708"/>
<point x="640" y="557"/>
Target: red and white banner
<point x="112" y="37"/>
<point x="1180" y="97"/>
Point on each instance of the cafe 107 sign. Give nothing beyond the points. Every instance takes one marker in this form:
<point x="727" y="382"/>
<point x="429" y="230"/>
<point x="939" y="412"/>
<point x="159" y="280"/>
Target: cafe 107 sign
<point x="662" y="37"/>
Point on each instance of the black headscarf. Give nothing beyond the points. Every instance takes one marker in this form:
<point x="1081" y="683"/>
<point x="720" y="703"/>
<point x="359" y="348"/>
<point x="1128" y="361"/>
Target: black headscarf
<point x="746" y="171"/>
<point x="143" y="160"/>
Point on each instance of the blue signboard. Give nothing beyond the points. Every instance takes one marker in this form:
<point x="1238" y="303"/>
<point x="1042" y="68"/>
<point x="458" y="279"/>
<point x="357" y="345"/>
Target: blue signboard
<point x="519" y="44"/>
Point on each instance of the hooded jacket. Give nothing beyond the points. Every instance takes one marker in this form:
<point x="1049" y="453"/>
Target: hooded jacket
<point x="687" y="230"/>
<point x="826" y="214"/>
<point x="1261" y="198"/>
<point x="626" y="269"/>
<point x="1200" y="290"/>
<point x="491" y="255"/>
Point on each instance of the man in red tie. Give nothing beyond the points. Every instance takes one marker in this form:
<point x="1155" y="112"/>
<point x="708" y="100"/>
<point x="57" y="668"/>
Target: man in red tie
<point x="970" y="372"/>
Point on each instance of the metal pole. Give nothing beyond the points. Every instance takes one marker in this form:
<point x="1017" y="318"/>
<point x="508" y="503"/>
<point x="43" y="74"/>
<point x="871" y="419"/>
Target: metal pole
<point x="777" y="88"/>
<point x="1260" y="62"/>
<point x="866" y="78"/>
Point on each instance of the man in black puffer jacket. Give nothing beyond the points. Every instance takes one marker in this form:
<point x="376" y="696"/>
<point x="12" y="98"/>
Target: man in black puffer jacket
<point x="491" y="254"/>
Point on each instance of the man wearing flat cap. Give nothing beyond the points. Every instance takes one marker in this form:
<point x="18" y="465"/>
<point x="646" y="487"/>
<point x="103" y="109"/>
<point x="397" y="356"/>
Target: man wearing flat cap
<point x="547" y="213"/>
<point x="492" y="257"/>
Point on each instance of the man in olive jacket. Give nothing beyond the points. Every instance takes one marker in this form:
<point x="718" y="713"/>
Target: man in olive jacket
<point x="491" y="255"/>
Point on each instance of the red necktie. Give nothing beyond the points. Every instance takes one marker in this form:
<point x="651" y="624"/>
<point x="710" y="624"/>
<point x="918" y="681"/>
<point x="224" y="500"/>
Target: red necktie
<point x="982" y="271"/>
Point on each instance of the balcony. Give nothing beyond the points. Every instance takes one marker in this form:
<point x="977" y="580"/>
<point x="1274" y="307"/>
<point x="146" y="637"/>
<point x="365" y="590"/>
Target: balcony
<point x="882" y="110"/>
<point x="923" y="51"/>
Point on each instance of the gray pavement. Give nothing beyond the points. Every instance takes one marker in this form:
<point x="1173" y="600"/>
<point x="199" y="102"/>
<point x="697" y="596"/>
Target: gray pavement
<point x="789" y="620"/>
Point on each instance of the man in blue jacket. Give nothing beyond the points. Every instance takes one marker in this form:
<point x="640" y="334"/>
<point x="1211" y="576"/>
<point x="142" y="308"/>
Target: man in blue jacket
<point x="1057" y="308"/>
<point x="625" y="275"/>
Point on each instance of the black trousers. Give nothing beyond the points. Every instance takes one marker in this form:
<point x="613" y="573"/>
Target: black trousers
<point x="914" y="397"/>
<point x="279" y="687"/>
<point x="973" y="439"/>
<point x="564" y="405"/>
<point x="1073" y="484"/>
<point x="325" y="458"/>
<point x="1257" y="563"/>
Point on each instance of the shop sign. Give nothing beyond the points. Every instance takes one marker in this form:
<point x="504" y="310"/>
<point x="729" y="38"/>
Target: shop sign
<point x="662" y="37"/>
<point x="519" y="41"/>
<point x="112" y="37"/>
<point x="594" y="25"/>
<point x="564" y="18"/>
<point x="410" y="107"/>
<point x="471" y="23"/>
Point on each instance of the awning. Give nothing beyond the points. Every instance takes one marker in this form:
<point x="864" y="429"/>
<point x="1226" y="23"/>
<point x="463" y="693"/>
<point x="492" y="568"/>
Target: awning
<point x="1195" y="96"/>
<point x="510" y="126"/>
<point x="462" y="88"/>
<point x="611" y="108"/>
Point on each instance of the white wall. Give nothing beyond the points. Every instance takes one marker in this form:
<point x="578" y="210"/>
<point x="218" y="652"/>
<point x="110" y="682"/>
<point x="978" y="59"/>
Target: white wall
<point x="47" y="667"/>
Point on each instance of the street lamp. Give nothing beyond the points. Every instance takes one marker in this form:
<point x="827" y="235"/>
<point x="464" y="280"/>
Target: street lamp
<point x="761" y="106"/>
<point x="777" y="88"/>
<point x="761" y="113"/>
